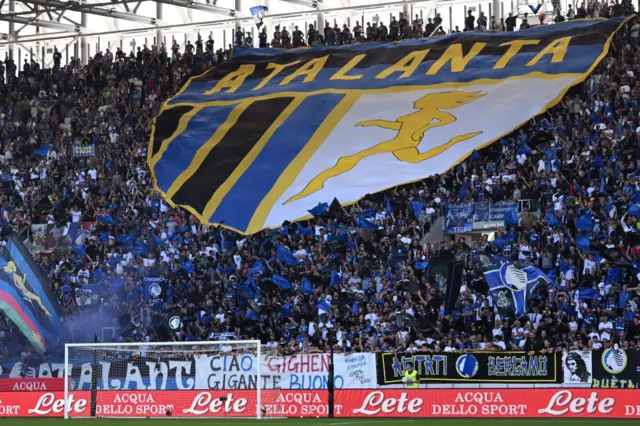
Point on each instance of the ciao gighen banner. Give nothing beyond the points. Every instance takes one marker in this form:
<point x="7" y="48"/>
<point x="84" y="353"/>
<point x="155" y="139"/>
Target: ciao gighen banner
<point x="477" y="367"/>
<point x="211" y="372"/>
<point x="260" y="139"/>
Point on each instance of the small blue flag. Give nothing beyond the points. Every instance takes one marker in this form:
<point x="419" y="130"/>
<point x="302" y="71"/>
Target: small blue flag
<point x="44" y="151"/>
<point x="421" y="265"/>
<point x="584" y="222"/>
<point x="306" y="286"/>
<point x="389" y="208"/>
<point x="127" y="239"/>
<point x="285" y="256"/>
<point x="634" y="210"/>
<point x="355" y="308"/>
<point x="106" y="218"/>
<point x="608" y="207"/>
<point x="335" y="279"/>
<point x="510" y="217"/>
<point x="281" y="282"/>
<point x="79" y="250"/>
<point x="475" y="156"/>
<point x="612" y="276"/>
<point x="366" y="224"/>
<point x="369" y="213"/>
<point x="552" y="219"/>
<point x="323" y="307"/>
<point x="416" y="208"/>
<point x="582" y="242"/>
<point x="303" y="230"/>
<point x="586" y="293"/>
<point x="319" y="210"/>
<point x="252" y="316"/>
<point x="257" y="269"/>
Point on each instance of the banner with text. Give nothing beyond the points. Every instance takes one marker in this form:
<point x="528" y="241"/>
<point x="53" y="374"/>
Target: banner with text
<point x="514" y="367"/>
<point x="616" y="368"/>
<point x="186" y="372"/>
<point x="459" y="219"/>
<point x="468" y="217"/>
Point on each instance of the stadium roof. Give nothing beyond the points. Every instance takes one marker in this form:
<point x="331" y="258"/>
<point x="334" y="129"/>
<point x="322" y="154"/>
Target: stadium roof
<point x="42" y="20"/>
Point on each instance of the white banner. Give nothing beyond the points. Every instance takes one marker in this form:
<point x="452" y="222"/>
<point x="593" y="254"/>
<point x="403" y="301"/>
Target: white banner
<point x="577" y="367"/>
<point x="306" y="371"/>
<point x="213" y="372"/>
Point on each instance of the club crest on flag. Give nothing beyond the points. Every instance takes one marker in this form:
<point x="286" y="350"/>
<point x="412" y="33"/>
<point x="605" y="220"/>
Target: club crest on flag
<point x="269" y="135"/>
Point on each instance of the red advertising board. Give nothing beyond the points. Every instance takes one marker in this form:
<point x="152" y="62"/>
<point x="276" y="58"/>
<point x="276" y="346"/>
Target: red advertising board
<point x="190" y="403"/>
<point x="31" y="385"/>
<point x="489" y="403"/>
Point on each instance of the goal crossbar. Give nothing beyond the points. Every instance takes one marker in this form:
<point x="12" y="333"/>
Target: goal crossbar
<point x="149" y="346"/>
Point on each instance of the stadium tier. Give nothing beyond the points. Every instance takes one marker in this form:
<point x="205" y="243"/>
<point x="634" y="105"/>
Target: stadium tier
<point x="388" y="220"/>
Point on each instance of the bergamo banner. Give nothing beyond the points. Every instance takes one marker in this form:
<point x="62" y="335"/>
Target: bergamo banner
<point x="217" y="372"/>
<point x="490" y="367"/>
<point x="260" y="139"/>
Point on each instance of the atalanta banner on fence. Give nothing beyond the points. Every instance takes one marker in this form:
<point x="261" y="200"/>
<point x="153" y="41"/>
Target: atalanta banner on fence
<point x="260" y="139"/>
<point x="616" y="368"/>
<point x="490" y="367"/>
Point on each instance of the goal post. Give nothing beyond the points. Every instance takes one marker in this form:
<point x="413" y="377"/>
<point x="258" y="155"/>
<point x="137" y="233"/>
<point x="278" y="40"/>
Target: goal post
<point x="165" y="379"/>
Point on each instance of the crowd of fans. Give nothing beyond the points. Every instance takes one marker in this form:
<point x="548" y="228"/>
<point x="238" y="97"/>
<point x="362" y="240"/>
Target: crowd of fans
<point x="581" y="156"/>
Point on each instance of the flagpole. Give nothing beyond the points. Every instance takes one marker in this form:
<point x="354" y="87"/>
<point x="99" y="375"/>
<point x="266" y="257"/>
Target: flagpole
<point x="330" y="386"/>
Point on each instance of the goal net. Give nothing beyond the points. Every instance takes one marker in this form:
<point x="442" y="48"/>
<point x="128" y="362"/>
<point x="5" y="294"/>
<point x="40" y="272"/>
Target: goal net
<point x="176" y="379"/>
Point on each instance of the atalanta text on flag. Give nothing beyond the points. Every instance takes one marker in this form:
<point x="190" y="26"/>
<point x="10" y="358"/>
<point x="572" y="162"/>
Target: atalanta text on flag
<point x="270" y="134"/>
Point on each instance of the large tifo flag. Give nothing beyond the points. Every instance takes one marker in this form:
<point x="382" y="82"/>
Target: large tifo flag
<point x="509" y="285"/>
<point x="26" y="298"/>
<point x="269" y="134"/>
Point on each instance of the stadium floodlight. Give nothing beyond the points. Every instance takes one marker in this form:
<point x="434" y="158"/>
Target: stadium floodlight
<point x="167" y="379"/>
<point x="306" y="3"/>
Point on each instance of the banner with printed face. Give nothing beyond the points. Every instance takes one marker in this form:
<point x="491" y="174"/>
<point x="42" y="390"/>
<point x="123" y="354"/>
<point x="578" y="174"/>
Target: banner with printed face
<point x="216" y="372"/>
<point x="260" y="139"/>
<point x="577" y="366"/>
<point x="483" y="367"/>
<point x="459" y="219"/>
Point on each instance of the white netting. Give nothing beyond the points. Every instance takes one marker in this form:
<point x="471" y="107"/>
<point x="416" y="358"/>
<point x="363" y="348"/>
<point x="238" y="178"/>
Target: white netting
<point x="218" y="379"/>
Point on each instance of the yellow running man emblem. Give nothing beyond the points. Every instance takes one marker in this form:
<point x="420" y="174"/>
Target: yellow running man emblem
<point x="411" y="129"/>
<point x="20" y="283"/>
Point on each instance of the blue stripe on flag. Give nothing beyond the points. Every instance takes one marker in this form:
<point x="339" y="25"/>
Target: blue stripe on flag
<point x="183" y="148"/>
<point x="239" y="205"/>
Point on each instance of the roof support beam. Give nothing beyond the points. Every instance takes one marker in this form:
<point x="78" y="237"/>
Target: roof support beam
<point x="89" y="8"/>
<point x="40" y="23"/>
<point x="192" y="4"/>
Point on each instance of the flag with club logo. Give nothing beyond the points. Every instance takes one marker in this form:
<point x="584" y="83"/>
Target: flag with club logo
<point x="88" y="295"/>
<point x="509" y="285"/>
<point x="258" y="13"/>
<point x="260" y="139"/>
